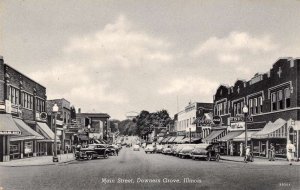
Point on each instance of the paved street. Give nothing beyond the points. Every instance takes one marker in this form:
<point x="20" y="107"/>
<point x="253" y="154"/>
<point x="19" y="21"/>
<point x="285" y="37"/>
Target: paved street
<point x="167" y="172"/>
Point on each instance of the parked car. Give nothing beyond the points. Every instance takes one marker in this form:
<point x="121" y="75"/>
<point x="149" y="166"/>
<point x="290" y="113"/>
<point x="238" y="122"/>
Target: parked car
<point x="159" y="148"/>
<point x="136" y="147"/>
<point x="178" y="149"/>
<point x="185" y="152"/>
<point x="144" y="145"/>
<point x="112" y="150"/>
<point x="92" y="151"/>
<point x="149" y="149"/>
<point x="167" y="150"/>
<point x="206" y="151"/>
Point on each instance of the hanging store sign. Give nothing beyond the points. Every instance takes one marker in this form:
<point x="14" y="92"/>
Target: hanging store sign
<point x="237" y="126"/>
<point x="217" y="120"/>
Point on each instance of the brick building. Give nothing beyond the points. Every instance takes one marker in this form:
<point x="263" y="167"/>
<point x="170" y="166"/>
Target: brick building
<point x="22" y="101"/>
<point x="63" y="122"/>
<point x="274" y="104"/>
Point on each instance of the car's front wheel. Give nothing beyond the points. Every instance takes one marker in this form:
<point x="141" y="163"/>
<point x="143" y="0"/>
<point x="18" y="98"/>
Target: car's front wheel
<point x="105" y="155"/>
<point x="89" y="156"/>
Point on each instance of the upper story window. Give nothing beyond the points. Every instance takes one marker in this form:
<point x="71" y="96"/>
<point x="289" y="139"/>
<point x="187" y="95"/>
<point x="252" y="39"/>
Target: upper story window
<point x="274" y="101"/>
<point x="280" y="99"/>
<point x="260" y="104"/>
<point x="220" y="108"/>
<point x="287" y="95"/>
<point x="27" y="100"/>
<point x="40" y="105"/>
<point x="14" y="95"/>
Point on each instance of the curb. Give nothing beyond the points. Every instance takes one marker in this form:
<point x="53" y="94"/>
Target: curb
<point x="231" y="160"/>
<point x="47" y="164"/>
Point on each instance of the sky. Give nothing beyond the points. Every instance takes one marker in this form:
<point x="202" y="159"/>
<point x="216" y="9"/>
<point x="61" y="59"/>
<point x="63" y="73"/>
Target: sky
<point x="130" y="55"/>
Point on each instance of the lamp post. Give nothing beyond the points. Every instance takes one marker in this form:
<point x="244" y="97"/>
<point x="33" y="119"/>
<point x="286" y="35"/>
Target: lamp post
<point x="245" y="111"/>
<point x="55" y="110"/>
<point x="190" y="136"/>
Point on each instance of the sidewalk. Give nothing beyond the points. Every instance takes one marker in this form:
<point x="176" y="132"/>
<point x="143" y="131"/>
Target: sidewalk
<point x="258" y="161"/>
<point x="38" y="161"/>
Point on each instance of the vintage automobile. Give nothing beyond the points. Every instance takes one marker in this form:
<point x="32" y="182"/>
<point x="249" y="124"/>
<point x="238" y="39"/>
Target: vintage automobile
<point x="206" y="151"/>
<point x="167" y="150"/>
<point x="92" y="151"/>
<point x="185" y="152"/>
<point x="149" y="149"/>
<point x="112" y="150"/>
<point x="136" y="147"/>
<point x="178" y="149"/>
<point x="159" y="148"/>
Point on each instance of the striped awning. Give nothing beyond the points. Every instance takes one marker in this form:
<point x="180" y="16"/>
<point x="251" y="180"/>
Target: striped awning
<point x="27" y="132"/>
<point x="230" y="135"/>
<point x="278" y="129"/>
<point x="213" y="136"/>
<point x="241" y="137"/>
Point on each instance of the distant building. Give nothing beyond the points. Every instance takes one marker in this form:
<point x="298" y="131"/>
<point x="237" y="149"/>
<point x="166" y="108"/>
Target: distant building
<point x="63" y="122"/>
<point x="185" y="122"/>
<point x="94" y="125"/>
<point x="131" y="115"/>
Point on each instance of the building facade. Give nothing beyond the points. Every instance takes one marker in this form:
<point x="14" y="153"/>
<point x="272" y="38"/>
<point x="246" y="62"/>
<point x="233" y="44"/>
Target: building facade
<point x="186" y="125"/>
<point x="22" y="106"/>
<point x="274" y="110"/>
<point x="63" y="123"/>
<point x="93" y="125"/>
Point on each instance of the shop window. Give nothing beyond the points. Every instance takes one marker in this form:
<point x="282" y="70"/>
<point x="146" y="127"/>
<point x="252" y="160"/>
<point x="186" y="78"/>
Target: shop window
<point x="274" y="101"/>
<point x="28" y="147"/>
<point x="280" y="99"/>
<point x="287" y="95"/>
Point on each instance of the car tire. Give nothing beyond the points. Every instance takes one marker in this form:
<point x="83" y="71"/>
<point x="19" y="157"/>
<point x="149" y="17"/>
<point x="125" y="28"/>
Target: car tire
<point x="105" y="155"/>
<point x="89" y="156"/>
<point x="208" y="157"/>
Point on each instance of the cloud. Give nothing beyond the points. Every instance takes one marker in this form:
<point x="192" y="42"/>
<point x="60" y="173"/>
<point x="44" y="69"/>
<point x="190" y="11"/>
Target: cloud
<point x="120" y="44"/>
<point x="102" y="70"/>
<point x="189" y="86"/>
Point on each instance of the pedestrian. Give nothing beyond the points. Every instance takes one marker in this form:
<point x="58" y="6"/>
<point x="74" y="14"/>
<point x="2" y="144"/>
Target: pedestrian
<point x="231" y="148"/>
<point x="272" y="152"/>
<point x="290" y="151"/>
<point x="241" y="149"/>
<point x="117" y="152"/>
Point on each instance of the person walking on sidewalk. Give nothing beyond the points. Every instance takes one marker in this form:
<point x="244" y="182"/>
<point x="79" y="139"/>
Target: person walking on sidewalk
<point x="290" y="151"/>
<point x="272" y="153"/>
<point x="241" y="149"/>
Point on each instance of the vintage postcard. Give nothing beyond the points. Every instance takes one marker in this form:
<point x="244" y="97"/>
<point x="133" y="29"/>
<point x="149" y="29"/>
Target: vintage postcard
<point x="149" y="94"/>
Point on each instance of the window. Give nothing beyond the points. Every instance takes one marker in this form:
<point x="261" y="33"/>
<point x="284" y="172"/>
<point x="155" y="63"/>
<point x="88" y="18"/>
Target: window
<point x="238" y="108"/>
<point x="287" y="95"/>
<point x="280" y="99"/>
<point x="274" y="101"/>
<point x="14" y="95"/>
<point x="234" y="110"/>
<point x="255" y="106"/>
<point x="260" y="103"/>
<point x="251" y="106"/>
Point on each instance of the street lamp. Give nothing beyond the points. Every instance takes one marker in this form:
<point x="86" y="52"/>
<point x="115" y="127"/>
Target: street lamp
<point x="190" y="135"/>
<point x="55" y="110"/>
<point x="245" y="111"/>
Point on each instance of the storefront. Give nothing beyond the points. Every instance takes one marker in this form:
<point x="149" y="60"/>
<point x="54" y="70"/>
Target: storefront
<point x="227" y="144"/>
<point x="273" y="133"/>
<point x="46" y="144"/>
<point x="8" y="128"/>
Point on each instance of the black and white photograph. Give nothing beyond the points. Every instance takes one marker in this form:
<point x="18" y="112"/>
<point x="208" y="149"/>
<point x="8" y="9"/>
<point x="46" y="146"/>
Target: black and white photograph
<point x="149" y="94"/>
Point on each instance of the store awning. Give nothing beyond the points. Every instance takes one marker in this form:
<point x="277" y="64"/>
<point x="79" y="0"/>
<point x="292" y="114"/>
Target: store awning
<point x="171" y="139"/>
<point x="278" y="129"/>
<point x="230" y="136"/>
<point x="196" y="139"/>
<point x="241" y="137"/>
<point x="27" y="132"/>
<point x="178" y="139"/>
<point x="165" y="139"/>
<point x="213" y="135"/>
<point x="160" y="139"/>
<point x="185" y="140"/>
<point x="8" y="126"/>
<point x="46" y="132"/>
